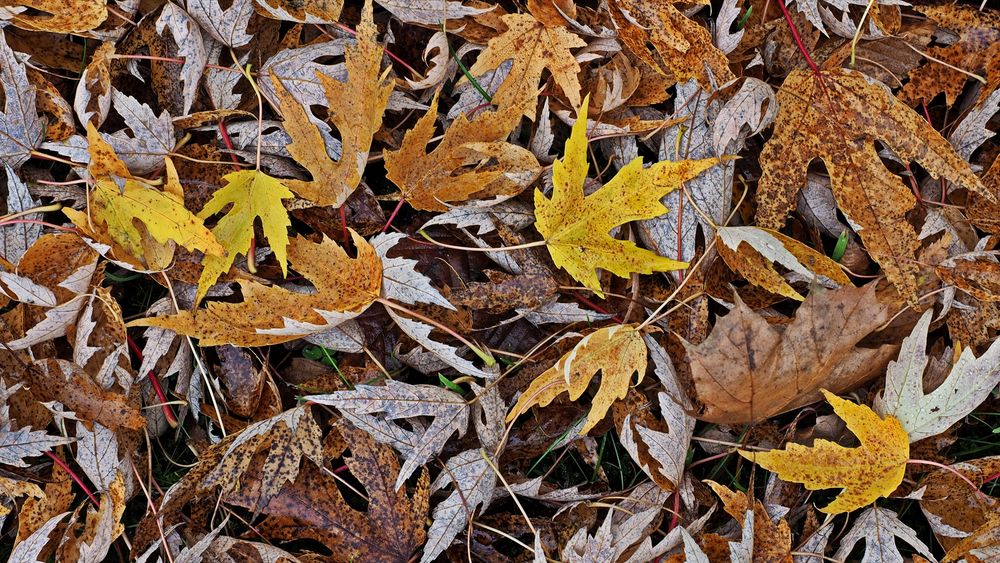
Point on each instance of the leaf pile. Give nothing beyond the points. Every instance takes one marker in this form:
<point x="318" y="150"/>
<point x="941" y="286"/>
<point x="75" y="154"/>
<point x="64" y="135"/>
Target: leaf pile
<point x="449" y="280"/>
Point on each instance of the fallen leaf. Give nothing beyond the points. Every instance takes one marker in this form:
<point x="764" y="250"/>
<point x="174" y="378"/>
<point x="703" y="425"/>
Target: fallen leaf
<point x="983" y="544"/>
<point x="356" y="108"/>
<point x="533" y="47"/>
<point x="431" y="13"/>
<point x="66" y="382"/>
<point x="684" y="47"/>
<point x="187" y="36"/>
<point x="400" y="280"/>
<point x="345" y="287"/>
<point x="229" y="25"/>
<point x="252" y="195"/>
<point x="15" y="445"/>
<point x="20" y="126"/>
<point x="305" y="11"/>
<point x="617" y="352"/>
<point x="866" y="473"/>
<point x="752" y="251"/>
<point x="59" y="16"/>
<point x="452" y="171"/>
<point x="576" y="227"/>
<point x="748" y="370"/>
<point x="771" y="539"/>
<point x="837" y="116"/>
<point x="969" y="383"/>
<point x="952" y="509"/>
<point x="879" y="528"/>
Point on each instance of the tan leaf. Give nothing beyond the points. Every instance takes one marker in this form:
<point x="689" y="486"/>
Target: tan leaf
<point x="59" y="16"/>
<point x="837" y="116"/>
<point x="748" y="370"/>
<point x="772" y="540"/>
<point x="345" y="287"/>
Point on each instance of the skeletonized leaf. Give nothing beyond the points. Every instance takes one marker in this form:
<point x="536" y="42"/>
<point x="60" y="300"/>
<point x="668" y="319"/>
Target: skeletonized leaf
<point x="617" y="352"/>
<point x="870" y="471"/>
<point x="397" y="400"/>
<point x="923" y="415"/>
<point x="879" y="528"/>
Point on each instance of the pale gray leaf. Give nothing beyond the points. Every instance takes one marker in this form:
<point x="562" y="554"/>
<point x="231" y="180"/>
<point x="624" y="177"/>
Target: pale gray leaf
<point x="431" y="13"/>
<point x="97" y="549"/>
<point x="228" y="26"/>
<point x="971" y="132"/>
<point x="15" y="445"/>
<point x="21" y="128"/>
<point x="30" y="547"/>
<point x="880" y="528"/>
<point x="16" y="238"/>
<point x="23" y="289"/>
<point x="474" y="482"/>
<point x="439" y="66"/>
<point x="815" y="544"/>
<point x="563" y="313"/>
<point x="400" y="279"/>
<point x="482" y="214"/>
<point x="52" y="326"/>
<point x="187" y="37"/>
<point x="97" y="455"/>
<point x="668" y="448"/>
<point x="728" y="13"/>
<point x="421" y="334"/>
<point x="345" y="337"/>
<point x="152" y="137"/>
<point x="754" y="107"/>
<point x="220" y="84"/>
<point x="923" y="415"/>
<point x="692" y="551"/>
<point x="469" y="97"/>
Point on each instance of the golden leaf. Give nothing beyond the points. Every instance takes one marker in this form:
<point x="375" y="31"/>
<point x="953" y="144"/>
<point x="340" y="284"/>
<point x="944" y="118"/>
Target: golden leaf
<point x="616" y="351"/>
<point x="59" y="16"/>
<point x="870" y="471"/>
<point x="836" y="116"/>
<point x="536" y="47"/>
<point x="576" y="227"/>
<point x="356" y="109"/>
<point x="253" y="195"/>
<point x="115" y="210"/>
<point x="452" y="172"/>
<point x="345" y="287"/>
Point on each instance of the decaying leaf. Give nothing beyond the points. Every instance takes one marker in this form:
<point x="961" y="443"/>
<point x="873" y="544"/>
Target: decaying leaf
<point x="837" y="116"/>
<point x="59" y="16"/>
<point x="880" y="528"/>
<point x="870" y="471"/>
<point x="617" y="352"/>
<point x="924" y="415"/>
<point x="345" y="287"/>
<point x="577" y="227"/>
<point x="20" y="126"/>
<point x="748" y="370"/>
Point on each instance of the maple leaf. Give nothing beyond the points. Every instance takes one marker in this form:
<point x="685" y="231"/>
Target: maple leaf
<point x="533" y="46"/>
<point x="616" y="351"/>
<point x="59" y="16"/>
<point x="114" y="208"/>
<point x="15" y="445"/>
<point x="685" y="48"/>
<point x="771" y="541"/>
<point x="870" y="471"/>
<point x="748" y="370"/>
<point x="397" y="400"/>
<point x="978" y="47"/>
<point x="345" y="287"/>
<point x="750" y="251"/>
<point x="253" y="195"/>
<point x="228" y="26"/>
<point x="983" y="544"/>
<point x="431" y="13"/>
<point x="305" y="11"/>
<point x="356" y="108"/>
<point x="576" y="227"/>
<point x="21" y="130"/>
<point x="837" y="115"/>
<point x="969" y="383"/>
<point x="880" y="528"/>
<point x="452" y="171"/>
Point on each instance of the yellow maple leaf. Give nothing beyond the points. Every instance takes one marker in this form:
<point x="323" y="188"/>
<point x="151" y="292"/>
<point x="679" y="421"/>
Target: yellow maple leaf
<point x="616" y="351"/>
<point x="253" y="195"/>
<point x="576" y="227"/>
<point x="837" y="115"/>
<point x="345" y="287"/>
<point x="118" y="202"/>
<point x="457" y="168"/>
<point x="870" y="471"/>
<point x="533" y="47"/>
<point x="356" y="109"/>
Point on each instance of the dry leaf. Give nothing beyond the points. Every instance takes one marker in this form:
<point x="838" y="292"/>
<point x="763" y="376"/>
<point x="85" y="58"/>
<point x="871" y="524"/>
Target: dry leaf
<point x="763" y="248"/>
<point x="534" y="48"/>
<point x="577" y="227"/>
<point x="772" y="539"/>
<point x="837" y="116"/>
<point x="20" y="126"/>
<point x="345" y="287"/>
<point x="59" y="16"/>
<point x="866" y="473"/>
<point x="880" y="528"/>
<point x="969" y="383"/>
<point x="453" y="170"/>
<point x="617" y="352"/>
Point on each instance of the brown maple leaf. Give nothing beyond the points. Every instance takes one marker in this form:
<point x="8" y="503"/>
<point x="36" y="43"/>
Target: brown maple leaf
<point x="748" y="370"/>
<point x="977" y="48"/>
<point x="837" y="116"/>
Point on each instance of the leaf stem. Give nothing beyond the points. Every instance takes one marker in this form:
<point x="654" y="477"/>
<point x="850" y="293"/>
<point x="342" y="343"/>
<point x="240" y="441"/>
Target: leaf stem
<point x="490" y="362"/>
<point x="39" y="209"/>
<point x="981" y="494"/>
<point x="76" y="478"/>
<point x="535" y="244"/>
<point x="797" y="38"/>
